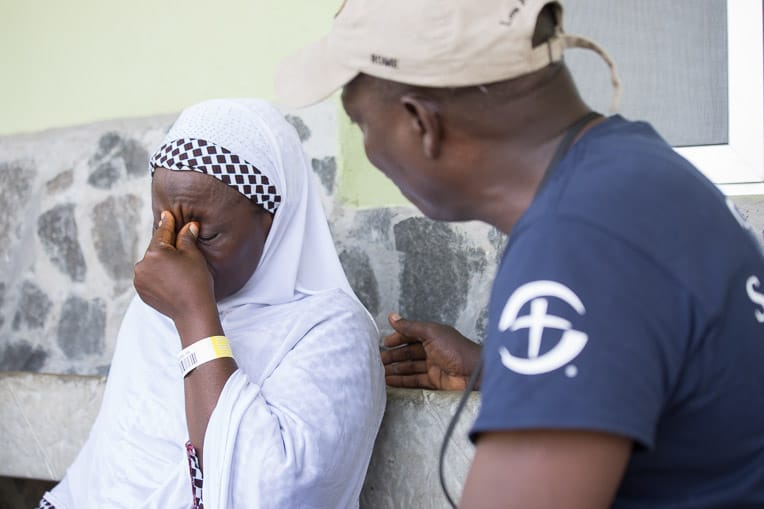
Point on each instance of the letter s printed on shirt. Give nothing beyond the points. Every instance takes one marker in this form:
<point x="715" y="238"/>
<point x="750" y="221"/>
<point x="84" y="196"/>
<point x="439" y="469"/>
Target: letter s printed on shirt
<point x="757" y="297"/>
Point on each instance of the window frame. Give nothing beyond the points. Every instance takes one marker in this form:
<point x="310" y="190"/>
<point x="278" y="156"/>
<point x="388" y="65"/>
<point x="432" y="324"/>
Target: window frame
<point x="738" y="166"/>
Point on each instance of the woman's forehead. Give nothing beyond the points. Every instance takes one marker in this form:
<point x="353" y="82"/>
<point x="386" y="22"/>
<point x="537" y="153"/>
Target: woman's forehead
<point x="196" y="187"/>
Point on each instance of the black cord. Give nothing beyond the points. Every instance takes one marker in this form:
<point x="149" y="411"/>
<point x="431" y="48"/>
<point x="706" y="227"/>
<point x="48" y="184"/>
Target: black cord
<point x="451" y="425"/>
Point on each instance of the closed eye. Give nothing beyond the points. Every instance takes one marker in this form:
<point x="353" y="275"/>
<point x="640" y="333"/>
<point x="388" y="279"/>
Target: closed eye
<point x="208" y="238"/>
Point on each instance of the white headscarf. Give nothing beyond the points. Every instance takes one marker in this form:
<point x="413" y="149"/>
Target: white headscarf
<point x="295" y="424"/>
<point x="299" y="255"/>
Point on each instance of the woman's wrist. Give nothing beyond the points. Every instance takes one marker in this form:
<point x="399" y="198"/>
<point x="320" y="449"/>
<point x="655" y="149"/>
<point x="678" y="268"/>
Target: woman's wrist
<point x="199" y="322"/>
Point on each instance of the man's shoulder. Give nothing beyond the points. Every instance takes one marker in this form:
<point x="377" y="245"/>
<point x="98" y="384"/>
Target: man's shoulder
<point x="616" y="133"/>
<point x="624" y="180"/>
<point x="620" y="155"/>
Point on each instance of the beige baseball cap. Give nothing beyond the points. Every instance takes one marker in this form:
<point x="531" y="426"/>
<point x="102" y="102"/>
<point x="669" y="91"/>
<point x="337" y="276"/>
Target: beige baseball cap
<point x="430" y="43"/>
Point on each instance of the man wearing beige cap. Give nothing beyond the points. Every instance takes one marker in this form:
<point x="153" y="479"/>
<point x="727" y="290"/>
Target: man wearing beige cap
<point x="626" y="323"/>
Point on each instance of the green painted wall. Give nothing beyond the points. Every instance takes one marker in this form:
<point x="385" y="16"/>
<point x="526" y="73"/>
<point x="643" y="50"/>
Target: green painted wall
<point x="362" y="185"/>
<point x="68" y="63"/>
<point x="65" y="63"/>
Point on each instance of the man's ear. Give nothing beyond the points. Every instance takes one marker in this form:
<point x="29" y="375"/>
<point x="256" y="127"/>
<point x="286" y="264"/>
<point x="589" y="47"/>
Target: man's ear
<point x="424" y="115"/>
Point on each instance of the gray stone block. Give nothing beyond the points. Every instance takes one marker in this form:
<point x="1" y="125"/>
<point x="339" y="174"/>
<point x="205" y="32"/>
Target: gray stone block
<point x="116" y="157"/>
<point x="3" y="286"/>
<point x="104" y="175"/>
<point x="60" y="182"/>
<point x="361" y="277"/>
<point x="106" y="143"/>
<point x="16" y="180"/>
<point x="81" y="327"/>
<point x="437" y="268"/>
<point x="376" y="223"/>
<point x="114" y="234"/>
<point x="136" y="158"/>
<point x="498" y="241"/>
<point x="326" y="169"/>
<point x="19" y="355"/>
<point x="33" y="307"/>
<point x="57" y="229"/>
<point x="303" y="131"/>
<point x="481" y="325"/>
<point x="752" y="210"/>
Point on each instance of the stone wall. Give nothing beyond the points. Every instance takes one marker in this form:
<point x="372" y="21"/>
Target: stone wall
<point x="77" y="216"/>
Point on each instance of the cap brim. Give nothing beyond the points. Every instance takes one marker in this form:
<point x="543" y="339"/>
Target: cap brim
<point x="310" y="75"/>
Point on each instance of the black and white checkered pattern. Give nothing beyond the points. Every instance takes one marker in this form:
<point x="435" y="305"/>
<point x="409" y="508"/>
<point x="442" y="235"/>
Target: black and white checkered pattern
<point x="44" y="504"/>
<point x="196" y="475"/>
<point x="219" y="162"/>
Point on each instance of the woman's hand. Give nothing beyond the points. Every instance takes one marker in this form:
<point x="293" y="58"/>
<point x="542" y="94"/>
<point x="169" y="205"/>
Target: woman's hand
<point x="173" y="278"/>
<point x="428" y="355"/>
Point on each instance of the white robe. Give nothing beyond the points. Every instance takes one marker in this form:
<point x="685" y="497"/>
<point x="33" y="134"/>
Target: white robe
<point x="294" y="426"/>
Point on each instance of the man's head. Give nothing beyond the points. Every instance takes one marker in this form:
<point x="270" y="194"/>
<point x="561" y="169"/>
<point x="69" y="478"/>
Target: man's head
<point x="423" y="138"/>
<point x="437" y="91"/>
<point x="436" y="144"/>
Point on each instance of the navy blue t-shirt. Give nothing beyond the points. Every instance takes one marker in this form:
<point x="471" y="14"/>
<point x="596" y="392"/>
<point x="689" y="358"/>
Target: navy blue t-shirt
<point x="630" y="300"/>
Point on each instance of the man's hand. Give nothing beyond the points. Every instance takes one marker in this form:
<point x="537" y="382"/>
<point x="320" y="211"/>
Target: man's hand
<point x="173" y="277"/>
<point x="428" y="355"/>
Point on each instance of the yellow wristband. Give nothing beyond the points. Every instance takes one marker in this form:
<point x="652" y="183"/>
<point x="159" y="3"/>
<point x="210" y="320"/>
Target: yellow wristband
<point x="204" y="350"/>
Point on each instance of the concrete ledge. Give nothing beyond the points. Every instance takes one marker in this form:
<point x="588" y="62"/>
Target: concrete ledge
<point x="45" y="419"/>
<point x="404" y="465"/>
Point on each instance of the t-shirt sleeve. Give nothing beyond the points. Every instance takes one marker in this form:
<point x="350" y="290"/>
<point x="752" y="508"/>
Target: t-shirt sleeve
<point x="586" y="332"/>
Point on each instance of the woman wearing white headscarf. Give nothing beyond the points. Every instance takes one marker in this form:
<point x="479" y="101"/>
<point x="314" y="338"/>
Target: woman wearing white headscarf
<point x="242" y="258"/>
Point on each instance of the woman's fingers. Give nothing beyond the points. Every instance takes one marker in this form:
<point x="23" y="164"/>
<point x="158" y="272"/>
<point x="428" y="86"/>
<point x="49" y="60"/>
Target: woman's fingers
<point x="186" y="238"/>
<point x="165" y="232"/>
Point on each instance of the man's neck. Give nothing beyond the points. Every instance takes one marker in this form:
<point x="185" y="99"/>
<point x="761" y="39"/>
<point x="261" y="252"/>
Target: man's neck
<point x="515" y="165"/>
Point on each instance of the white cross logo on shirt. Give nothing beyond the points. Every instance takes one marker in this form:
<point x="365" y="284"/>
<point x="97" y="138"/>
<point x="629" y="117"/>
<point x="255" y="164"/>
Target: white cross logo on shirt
<point x="571" y="343"/>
